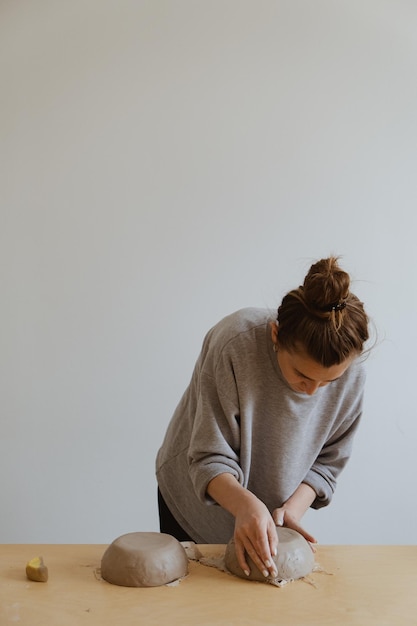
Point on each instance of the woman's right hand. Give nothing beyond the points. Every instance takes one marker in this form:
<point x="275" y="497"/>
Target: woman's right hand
<point x="255" y="535"/>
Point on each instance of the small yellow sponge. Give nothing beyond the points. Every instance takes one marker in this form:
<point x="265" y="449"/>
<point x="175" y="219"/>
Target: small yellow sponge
<point x="36" y="570"/>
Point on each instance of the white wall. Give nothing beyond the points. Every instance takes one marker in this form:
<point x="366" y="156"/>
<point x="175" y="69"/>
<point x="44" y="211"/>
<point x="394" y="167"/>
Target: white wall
<point x="165" y="163"/>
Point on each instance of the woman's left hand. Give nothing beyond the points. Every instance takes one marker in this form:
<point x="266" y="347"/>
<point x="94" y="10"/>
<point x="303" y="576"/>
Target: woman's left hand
<point x="284" y="517"/>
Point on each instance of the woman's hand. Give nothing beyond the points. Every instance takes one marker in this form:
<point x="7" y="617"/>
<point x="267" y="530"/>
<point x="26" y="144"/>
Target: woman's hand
<point x="284" y="517"/>
<point x="290" y="513"/>
<point x="255" y="532"/>
<point x="256" y="536"/>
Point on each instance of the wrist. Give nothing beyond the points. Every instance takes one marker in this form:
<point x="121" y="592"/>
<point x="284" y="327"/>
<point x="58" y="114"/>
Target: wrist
<point x="302" y="498"/>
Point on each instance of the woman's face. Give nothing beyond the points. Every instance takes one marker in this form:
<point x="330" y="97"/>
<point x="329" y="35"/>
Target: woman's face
<point x="305" y="375"/>
<point x="301" y="372"/>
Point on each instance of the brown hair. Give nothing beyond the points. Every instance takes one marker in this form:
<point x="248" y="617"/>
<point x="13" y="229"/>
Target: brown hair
<point x="323" y="317"/>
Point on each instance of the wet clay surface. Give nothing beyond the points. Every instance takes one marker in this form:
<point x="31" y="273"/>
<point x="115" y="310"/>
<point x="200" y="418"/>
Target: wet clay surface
<point x="144" y="560"/>
<point x="295" y="558"/>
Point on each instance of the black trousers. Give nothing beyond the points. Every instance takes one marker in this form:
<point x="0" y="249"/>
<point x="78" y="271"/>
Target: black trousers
<point x="167" y="522"/>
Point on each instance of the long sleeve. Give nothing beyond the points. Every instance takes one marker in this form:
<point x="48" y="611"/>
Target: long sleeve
<point x="215" y="440"/>
<point x="333" y="457"/>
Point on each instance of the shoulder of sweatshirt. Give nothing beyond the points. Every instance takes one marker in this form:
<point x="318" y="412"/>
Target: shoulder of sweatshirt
<point x="352" y="382"/>
<point x="233" y="328"/>
<point x="241" y="321"/>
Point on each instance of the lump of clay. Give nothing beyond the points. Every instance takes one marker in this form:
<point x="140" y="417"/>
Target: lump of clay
<point x="36" y="570"/>
<point x="144" y="560"/>
<point x="295" y="558"/>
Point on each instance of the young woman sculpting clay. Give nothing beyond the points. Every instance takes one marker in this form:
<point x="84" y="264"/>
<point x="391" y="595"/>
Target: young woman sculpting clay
<point x="267" y="422"/>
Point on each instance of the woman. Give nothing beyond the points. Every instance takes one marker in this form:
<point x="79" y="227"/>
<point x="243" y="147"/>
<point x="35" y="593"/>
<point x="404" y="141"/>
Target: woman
<point x="267" y="422"/>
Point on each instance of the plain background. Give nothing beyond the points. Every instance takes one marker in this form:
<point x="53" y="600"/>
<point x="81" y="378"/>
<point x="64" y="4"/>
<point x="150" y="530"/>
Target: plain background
<point x="164" y="163"/>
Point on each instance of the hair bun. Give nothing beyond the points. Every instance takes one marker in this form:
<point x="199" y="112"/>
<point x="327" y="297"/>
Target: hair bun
<point x="323" y="318"/>
<point x="326" y="286"/>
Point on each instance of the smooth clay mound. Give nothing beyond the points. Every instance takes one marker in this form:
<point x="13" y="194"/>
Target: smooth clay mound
<point x="295" y="558"/>
<point x="144" y="560"/>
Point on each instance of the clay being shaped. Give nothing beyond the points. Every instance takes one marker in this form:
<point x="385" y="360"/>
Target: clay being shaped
<point x="295" y="558"/>
<point x="144" y="559"/>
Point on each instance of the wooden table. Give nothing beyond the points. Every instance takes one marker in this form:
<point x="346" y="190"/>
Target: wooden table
<point x="364" y="585"/>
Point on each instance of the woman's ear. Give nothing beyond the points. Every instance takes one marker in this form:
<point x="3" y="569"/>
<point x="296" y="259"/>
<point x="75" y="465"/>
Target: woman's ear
<point x="274" y="332"/>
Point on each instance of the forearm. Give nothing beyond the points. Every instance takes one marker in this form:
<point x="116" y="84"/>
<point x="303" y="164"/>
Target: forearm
<point x="229" y="493"/>
<point x="300" y="501"/>
<point x="255" y="533"/>
<point x="291" y="511"/>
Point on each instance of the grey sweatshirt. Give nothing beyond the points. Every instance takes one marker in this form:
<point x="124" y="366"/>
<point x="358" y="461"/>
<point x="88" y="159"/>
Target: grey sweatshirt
<point x="240" y="416"/>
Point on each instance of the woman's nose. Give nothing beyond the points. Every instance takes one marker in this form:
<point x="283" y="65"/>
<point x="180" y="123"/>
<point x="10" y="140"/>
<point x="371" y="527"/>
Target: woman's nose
<point x="311" y="386"/>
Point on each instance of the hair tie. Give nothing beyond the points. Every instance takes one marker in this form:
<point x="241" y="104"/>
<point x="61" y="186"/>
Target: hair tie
<point x="339" y="306"/>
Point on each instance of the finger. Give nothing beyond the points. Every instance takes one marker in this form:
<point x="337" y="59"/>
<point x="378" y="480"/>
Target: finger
<point x="290" y="523"/>
<point x="240" y="555"/>
<point x="273" y="546"/>
<point x="246" y="547"/>
<point x="263" y="564"/>
<point x="273" y="540"/>
<point x="263" y="557"/>
<point x="279" y="515"/>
